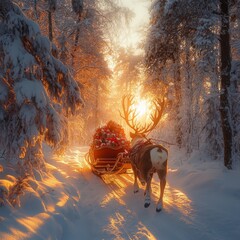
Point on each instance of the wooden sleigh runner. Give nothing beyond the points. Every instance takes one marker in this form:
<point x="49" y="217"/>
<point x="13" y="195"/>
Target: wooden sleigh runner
<point x="108" y="153"/>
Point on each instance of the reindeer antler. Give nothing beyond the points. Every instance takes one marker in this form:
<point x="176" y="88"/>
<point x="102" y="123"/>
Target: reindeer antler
<point x="155" y="117"/>
<point x="127" y="102"/>
<point x="130" y="115"/>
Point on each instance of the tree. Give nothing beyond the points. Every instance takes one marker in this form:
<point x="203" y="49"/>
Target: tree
<point x="36" y="89"/>
<point x="82" y="33"/>
<point x="169" y="55"/>
<point x="128" y="69"/>
<point x="51" y="8"/>
<point x="77" y="6"/>
<point x="235" y="75"/>
<point x="199" y="55"/>
<point x="225" y="102"/>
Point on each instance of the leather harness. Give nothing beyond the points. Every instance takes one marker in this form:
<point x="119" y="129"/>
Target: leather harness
<point x="137" y="153"/>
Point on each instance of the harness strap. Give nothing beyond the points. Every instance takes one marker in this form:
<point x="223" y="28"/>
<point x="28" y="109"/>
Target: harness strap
<point x="138" y="151"/>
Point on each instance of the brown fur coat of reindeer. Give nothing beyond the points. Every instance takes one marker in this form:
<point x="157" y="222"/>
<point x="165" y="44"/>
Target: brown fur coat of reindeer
<point x="146" y="158"/>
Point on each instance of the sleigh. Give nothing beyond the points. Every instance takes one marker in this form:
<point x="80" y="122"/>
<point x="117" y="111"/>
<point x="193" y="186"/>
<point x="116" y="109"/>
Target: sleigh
<point x="108" y="153"/>
<point x="108" y="160"/>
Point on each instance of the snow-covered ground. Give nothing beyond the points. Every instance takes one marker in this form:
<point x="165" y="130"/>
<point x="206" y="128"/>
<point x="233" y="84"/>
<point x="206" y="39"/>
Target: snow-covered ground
<point x="202" y="202"/>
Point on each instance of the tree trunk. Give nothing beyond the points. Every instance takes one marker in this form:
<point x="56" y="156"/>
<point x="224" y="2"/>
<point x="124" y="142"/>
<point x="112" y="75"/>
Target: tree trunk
<point x="178" y="93"/>
<point x="78" y="31"/>
<point x="76" y="38"/>
<point x="50" y="28"/>
<point x="35" y="9"/>
<point x="189" y="100"/>
<point x="225" y="111"/>
<point x="96" y="122"/>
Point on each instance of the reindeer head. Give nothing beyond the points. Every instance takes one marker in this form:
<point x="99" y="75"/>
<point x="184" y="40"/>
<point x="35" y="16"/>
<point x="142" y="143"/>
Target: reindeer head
<point x="130" y="114"/>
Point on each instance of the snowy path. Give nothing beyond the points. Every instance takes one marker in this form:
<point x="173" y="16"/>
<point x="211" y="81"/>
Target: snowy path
<point x="80" y="206"/>
<point x="110" y="210"/>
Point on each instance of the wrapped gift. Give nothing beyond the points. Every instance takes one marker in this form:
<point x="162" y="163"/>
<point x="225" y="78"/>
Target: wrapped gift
<point x="110" y="136"/>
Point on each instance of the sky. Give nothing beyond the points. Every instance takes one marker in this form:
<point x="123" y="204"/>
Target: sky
<point x="140" y="8"/>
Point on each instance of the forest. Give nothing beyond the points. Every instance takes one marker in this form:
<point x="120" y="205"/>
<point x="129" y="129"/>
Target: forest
<point x="63" y="73"/>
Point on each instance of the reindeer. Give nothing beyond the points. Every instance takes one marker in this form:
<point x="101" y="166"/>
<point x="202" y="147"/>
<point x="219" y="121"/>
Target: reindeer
<point x="146" y="158"/>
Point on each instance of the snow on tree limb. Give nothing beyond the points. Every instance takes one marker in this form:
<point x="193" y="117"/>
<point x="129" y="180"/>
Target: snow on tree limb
<point x="5" y="7"/>
<point x="36" y="90"/>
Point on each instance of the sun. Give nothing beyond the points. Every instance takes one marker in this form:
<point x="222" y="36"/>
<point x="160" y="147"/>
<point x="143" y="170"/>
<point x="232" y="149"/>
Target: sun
<point x="141" y="108"/>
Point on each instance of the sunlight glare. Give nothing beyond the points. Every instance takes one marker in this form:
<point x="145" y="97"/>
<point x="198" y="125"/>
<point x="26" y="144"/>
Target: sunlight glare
<point x="175" y="199"/>
<point x="32" y="224"/>
<point x="141" y="108"/>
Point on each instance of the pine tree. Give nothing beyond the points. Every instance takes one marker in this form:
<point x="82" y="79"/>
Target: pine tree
<point x="167" y="44"/>
<point x="82" y="30"/>
<point x="195" y="25"/>
<point x="36" y="90"/>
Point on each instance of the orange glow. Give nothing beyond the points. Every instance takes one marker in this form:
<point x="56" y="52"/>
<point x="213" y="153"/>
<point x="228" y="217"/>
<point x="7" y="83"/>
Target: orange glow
<point x="75" y="159"/>
<point x="174" y="199"/>
<point x="180" y="200"/>
<point x="115" y="223"/>
<point x="15" y="234"/>
<point x="142" y="107"/>
<point x="52" y="182"/>
<point x="144" y="232"/>
<point x="116" y="227"/>
<point x="33" y="223"/>
<point x="118" y="190"/>
<point x="62" y="201"/>
<point x="30" y="227"/>
<point x="119" y="197"/>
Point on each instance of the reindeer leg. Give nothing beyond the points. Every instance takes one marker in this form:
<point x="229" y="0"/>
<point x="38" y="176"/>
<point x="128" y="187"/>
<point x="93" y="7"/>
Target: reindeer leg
<point x="135" y="185"/>
<point x="162" y="177"/>
<point x="147" y="192"/>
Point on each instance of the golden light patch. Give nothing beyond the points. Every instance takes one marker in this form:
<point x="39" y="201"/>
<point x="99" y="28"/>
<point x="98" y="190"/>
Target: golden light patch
<point x="142" y="107"/>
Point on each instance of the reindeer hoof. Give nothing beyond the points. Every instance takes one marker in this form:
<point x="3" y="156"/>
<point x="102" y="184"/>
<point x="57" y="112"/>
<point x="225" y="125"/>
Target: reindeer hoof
<point x="158" y="209"/>
<point x="146" y="205"/>
<point x="159" y="206"/>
